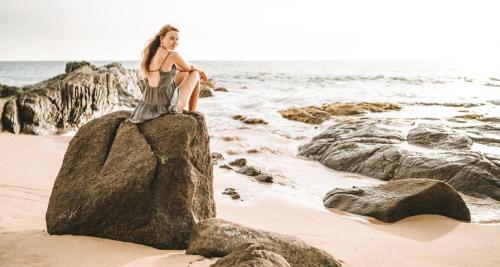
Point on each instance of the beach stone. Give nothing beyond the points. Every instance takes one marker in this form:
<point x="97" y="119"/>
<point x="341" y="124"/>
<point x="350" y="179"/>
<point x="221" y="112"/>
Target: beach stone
<point x="10" y="115"/>
<point x="247" y="120"/>
<point x="145" y="183"/>
<point x="206" y="92"/>
<point x="219" y="238"/>
<point x="254" y="121"/>
<point x="238" y="162"/>
<point x="264" y="177"/>
<point x="220" y="89"/>
<point x="225" y="166"/>
<point x="249" y="171"/>
<point x="216" y="157"/>
<point x="251" y="254"/>
<point x="399" y="199"/>
<point x="437" y="136"/>
<point x="318" y="114"/>
<point x="374" y="148"/>
<point x="67" y="101"/>
<point x="231" y="192"/>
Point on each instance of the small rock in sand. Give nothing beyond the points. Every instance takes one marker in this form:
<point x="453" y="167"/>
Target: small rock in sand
<point x="225" y="166"/>
<point x="264" y="177"/>
<point x="238" y="162"/>
<point x="231" y="138"/>
<point x="246" y="120"/>
<point x="216" y="157"/>
<point x="231" y="192"/>
<point x="249" y="171"/>
<point x="221" y="89"/>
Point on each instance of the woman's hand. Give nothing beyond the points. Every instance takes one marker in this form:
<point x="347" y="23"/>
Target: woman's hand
<point x="203" y="75"/>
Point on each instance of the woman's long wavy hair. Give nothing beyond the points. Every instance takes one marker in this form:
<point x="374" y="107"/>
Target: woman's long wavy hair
<point x="151" y="47"/>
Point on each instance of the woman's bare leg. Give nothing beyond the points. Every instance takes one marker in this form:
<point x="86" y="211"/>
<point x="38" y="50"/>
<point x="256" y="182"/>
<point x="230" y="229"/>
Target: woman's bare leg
<point x="193" y="101"/>
<point x="186" y="88"/>
<point x="179" y="77"/>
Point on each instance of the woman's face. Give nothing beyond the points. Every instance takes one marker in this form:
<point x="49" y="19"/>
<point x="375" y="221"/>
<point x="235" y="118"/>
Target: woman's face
<point x="170" y="40"/>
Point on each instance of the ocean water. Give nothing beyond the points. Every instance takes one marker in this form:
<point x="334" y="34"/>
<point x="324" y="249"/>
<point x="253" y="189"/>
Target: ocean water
<point x="260" y="89"/>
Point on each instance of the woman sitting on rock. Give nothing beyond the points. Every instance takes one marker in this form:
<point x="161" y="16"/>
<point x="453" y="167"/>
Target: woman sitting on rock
<point x="171" y="83"/>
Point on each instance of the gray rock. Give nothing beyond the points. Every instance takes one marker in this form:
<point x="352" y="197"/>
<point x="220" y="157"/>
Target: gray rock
<point x="6" y="91"/>
<point x="73" y="65"/>
<point x="225" y="166"/>
<point x="265" y="178"/>
<point x="218" y="238"/>
<point x="10" y="115"/>
<point x="371" y="147"/>
<point x="396" y="200"/>
<point x="220" y="89"/>
<point x="231" y="192"/>
<point x="437" y="136"/>
<point x="238" y="162"/>
<point x="147" y="183"/>
<point x="216" y="157"/>
<point x="250" y="254"/>
<point x="69" y="100"/>
<point x="249" y="171"/>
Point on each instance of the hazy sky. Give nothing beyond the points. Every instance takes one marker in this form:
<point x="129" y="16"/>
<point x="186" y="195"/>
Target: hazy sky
<point x="252" y="30"/>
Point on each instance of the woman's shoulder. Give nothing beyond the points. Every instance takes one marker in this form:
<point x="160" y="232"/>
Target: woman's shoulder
<point x="161" y="52"/>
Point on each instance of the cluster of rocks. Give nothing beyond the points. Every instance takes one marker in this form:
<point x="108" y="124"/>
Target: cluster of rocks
<point x="254" y="172"/>
<point x="380" y="148"/>
<point x="318" y="114"/>
<point x="151" y="184"/>
<point x="245" y="246"/>
<point x="232" y="193"/>
<point x="69" y="100"/>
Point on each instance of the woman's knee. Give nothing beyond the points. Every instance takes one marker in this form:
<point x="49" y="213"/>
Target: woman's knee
<point x="194" y="74"/>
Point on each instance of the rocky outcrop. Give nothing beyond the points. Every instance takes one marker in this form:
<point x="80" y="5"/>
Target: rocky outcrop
<point x="218" y="238"/>
<point x="399" y="199"/>
<point x="69" y="100"/>
<point x="316" y="115"/>
<point x="250" y="254"/>
<point x="378" y="148"/>
<point x="145" y="183"/>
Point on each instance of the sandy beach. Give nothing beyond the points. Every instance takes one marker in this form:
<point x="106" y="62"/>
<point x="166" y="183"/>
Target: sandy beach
<point x="31" y="163"/>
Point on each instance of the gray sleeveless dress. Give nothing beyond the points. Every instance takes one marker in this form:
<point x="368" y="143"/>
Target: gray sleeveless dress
<point x="159" y="100"/>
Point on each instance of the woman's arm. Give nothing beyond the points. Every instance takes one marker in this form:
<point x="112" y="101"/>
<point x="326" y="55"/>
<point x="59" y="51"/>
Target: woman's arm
<point x="184" y="66"/>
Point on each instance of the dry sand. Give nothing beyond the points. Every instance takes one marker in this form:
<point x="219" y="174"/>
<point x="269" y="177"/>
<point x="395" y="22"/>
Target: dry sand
<point x="29" y="165"/>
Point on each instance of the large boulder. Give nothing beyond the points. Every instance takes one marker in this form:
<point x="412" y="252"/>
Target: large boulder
<point x="399" y="199"/>
<point x="376" y="148"/>
<point x="69" y="100"/>
<point x="218" y="238"/>
<point x="147" y="183"/>
<point x="250" y="254"/>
